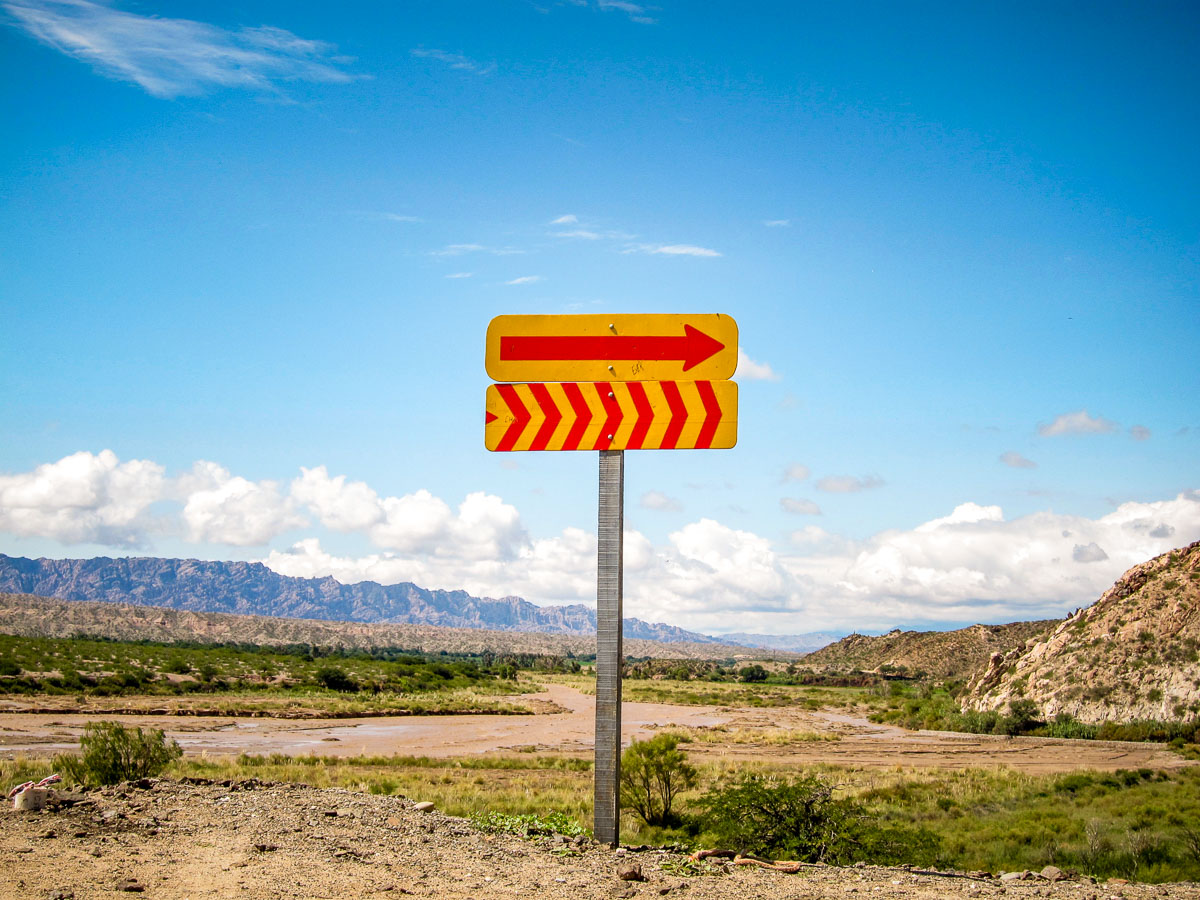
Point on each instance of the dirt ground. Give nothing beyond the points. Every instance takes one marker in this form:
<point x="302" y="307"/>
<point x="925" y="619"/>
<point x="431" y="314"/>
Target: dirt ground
<point x="860" y="743"/>
<point x="172" y="841"/>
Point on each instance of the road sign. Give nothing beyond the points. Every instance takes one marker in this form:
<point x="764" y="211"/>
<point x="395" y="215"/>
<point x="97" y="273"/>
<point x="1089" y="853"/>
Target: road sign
<point x="634" y="415"/>
<point x="651" y="347"/>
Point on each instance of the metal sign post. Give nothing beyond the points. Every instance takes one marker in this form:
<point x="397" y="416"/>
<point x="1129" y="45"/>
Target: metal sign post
<point x="611" y="383"/>
<point x="609" y="655"/>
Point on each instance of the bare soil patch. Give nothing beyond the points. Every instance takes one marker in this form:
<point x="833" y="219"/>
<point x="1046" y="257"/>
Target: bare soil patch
<point x="169" y="841"/>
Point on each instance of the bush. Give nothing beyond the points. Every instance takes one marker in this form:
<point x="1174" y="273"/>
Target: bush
<point x="802" y="820"/>
<point x="113" y="753"/>
<point x="335" y="679"/>
<point x="653" y="773"/>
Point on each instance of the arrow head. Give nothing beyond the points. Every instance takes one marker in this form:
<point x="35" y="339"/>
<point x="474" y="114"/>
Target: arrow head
<point x="491" y="417"/>
<point x="699" y="347"/>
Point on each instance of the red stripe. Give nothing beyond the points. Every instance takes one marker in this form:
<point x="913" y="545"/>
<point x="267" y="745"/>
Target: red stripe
<point x="645" y="415"/>
<point x="713" y="417"/>
<point x="553" y="416"/>
<point x="678" y="415"/>
<point x="583" y="416"/>
<point x="508" y="394"/>
<point x="613" y="409"/>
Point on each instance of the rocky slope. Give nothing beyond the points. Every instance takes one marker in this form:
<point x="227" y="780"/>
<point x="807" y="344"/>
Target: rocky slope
<point x="253" y="589"/>
<point x="1133" y="654"/>
<point x="942" y="654"/>
<point x="22" y="614"/>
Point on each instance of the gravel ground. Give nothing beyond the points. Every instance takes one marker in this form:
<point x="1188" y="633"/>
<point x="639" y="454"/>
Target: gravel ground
<point x="170" y="840"/>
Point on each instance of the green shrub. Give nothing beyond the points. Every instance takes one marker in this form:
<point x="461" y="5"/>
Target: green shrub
<point x="335" y="679"/>
<point x="653" y="773"/>
<point x="113" y="753"/>
<point x="802" y="820"/>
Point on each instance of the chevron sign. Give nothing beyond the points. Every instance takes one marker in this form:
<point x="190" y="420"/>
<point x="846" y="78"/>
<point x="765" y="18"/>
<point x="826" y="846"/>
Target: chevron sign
<point x="612" y="415"/>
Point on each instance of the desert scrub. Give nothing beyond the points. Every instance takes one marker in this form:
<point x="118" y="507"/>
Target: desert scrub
<point x="112" y="753"/>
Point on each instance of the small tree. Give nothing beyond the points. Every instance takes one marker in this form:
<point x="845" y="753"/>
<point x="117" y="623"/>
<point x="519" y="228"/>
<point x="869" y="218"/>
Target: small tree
<point x="653" y="773"/>
<point x="113" y="753"/>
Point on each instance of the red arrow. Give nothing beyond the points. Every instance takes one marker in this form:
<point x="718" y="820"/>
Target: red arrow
<point x="692" y="349"/>
<point x="712" y="416"/>
<point x="542" y="395"/>
<point x="678" y="415"/>
<point x="583" y="416"/>
<point x="613" y="412"/>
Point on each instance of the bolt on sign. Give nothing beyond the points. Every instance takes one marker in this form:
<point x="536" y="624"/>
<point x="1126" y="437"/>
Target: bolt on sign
<point x="610" y="384"/>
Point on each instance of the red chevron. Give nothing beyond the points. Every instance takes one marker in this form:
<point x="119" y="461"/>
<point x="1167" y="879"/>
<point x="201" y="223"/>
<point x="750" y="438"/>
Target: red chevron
<point x="508" y="394"/>
<point x="713" y="418"/>
<point x="583" y="416"/>
<point x="645" y="415"/>
<point x="553" y="416"/>
<point x="678" y="415"/>
<point x="605" y="392"/>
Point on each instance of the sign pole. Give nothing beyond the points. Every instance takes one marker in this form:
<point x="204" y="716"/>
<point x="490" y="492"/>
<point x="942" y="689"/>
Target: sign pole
<point x="609" y="655"/>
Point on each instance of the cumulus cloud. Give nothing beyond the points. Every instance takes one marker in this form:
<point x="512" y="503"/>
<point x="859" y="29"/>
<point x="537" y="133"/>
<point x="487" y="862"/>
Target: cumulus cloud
<point x="659" y="500"/>
<point x="174" y="57"/>
<point x="848" y="484"/>
<point x="795" y="472"/>
<point x="749" y="370"/>
<point x="800" y="507"/>
<point x="1015" y="460"/>
<point x="1092" y="552"/>
<point x="83" y="498"/>
<point x="1077" y="423"/>
<point x="222" y="508"/>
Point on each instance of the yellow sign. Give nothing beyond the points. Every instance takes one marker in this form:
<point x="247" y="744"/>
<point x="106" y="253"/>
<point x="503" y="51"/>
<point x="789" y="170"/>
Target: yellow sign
<point x="651" y="347"/>
<point x="614" y="415"/>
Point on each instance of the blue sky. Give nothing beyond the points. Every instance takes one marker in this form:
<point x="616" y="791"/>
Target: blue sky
<point x="249" y="254"/>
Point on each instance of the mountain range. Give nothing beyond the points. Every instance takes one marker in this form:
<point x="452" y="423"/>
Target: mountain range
<point x="247" y="588"/>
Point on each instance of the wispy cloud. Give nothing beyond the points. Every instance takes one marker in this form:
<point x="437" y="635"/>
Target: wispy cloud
<point x="456" y="61"/>
<point x="1077" y="423"/>
<point x="671" y="249"/>
<point x="795" y="472"/>
<point x="460" y="275"/>
<point x="1139" y="432"/>
<point x="636" y="11"/>
<point x="525" y="279"/>
<point x="749" y="370"/>
<point x="565" y="220"/>
<point x="848" y="484"/>
<point x="659" y="500"/>
<point x="175" y="57"/>
<point x="461" y="249"/>
<point x="799" y="507"/>
<point x="778" y="223"/>
<point x="1015" y="460"/>
<point x="396" y="217"/>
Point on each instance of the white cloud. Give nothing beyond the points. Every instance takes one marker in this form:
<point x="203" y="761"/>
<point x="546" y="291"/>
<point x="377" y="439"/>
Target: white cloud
<point x="83" y="498"/>
<point x="659" y="500"/>
<point x="396" y="217"/>
<point x="565" y="220"/>
<point x="460" y="275"/>
<point x="795" y="472"/>
<point x="221" y="508"/>
<point x="778" y="223"/>
<point x="1015" y="460"/>
<point x="174" y="57"/>
<point x="677" y="250"/>
<point x="1139" y="432"/>
<point x="525" y="279"/>
<point x="460" y="249"/>
<point x="1092" y="552"/>
<point x="848" y="484"/>
<point x="800" y="507"/>
<point x="456" y="61"/>
<point x="1077" y="423"/>
<point x="749" y="370"/>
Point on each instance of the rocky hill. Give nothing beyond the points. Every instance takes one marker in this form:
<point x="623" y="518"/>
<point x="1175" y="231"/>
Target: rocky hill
<point x="941" y="654"/>
<point x="1133" y="654"/>
<point x="253" y="589"/>
<point x="22" y="614"/>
